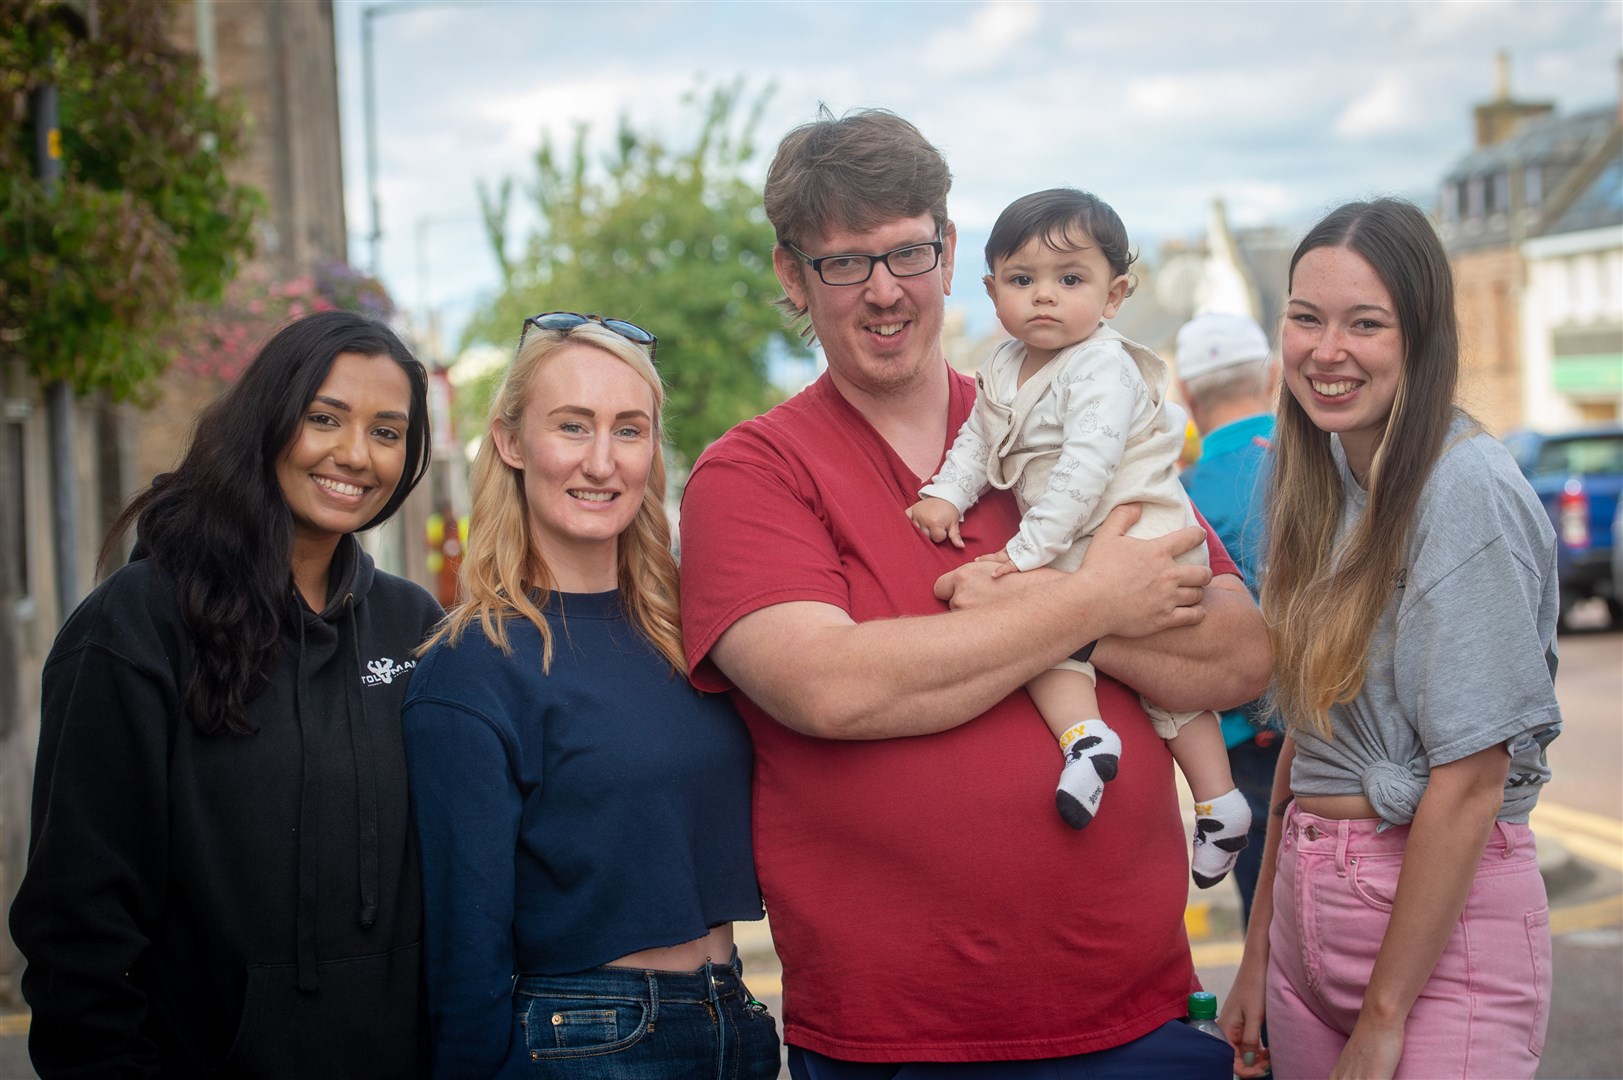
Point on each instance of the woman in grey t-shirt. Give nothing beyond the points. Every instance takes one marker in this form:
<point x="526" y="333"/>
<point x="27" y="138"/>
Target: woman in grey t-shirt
<point x="1411" y="591"/>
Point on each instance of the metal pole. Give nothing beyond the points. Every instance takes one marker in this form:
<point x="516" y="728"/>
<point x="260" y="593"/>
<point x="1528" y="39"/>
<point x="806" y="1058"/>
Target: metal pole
<point x="58" y="394"/>
<point x="370" y="121"/>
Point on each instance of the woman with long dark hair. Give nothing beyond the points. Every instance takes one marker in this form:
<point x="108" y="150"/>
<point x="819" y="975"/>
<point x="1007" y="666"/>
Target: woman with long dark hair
<point x="584" y="812"/>
<point x="221" y="875"/>
<point x="1401" y="926"/>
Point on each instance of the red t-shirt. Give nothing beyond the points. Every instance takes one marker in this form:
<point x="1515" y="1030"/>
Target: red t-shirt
<point x="926" y="900"/>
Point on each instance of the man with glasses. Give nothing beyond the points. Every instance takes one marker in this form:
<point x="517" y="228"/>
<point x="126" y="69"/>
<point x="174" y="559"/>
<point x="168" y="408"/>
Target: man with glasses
<point x="927" y="904"/>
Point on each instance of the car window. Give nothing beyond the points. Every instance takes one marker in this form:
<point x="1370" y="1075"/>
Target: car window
<point x="1600" y="455"/>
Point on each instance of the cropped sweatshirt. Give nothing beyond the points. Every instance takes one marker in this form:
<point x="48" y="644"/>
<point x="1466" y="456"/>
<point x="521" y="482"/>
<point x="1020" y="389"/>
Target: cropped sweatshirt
<point x="568" y="818"/>
<point x="232" y="905"/>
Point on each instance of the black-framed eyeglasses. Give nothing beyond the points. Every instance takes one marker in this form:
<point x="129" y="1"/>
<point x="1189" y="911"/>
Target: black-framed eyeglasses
<point x="910" y="260"/>
<point x="564" y="321"/>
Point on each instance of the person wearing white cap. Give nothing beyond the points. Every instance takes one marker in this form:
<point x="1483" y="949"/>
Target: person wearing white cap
<point x="1228" y="380"/>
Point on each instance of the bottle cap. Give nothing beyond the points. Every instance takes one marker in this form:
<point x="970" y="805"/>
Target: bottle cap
<point x="1202" y="1005"/>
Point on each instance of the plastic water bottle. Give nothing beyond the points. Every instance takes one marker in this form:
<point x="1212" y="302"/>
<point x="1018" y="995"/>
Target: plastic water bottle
<point x="1203" y="1014"/>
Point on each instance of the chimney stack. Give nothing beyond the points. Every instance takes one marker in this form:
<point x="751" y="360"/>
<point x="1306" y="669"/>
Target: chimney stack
<point x="1498" y="120"/>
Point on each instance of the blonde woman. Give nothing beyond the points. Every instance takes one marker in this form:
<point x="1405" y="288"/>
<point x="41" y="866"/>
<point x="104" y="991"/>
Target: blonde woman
<point x="583" y="812"/>
<point x="1401" y="925"/>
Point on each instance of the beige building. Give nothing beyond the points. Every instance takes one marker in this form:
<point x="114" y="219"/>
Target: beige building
<point x="1528" y="181"/>
<point x="1572" y="313"/>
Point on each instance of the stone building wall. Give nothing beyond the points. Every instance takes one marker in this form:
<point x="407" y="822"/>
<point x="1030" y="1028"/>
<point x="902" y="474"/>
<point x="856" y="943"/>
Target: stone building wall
<point x="1488" y="289"/>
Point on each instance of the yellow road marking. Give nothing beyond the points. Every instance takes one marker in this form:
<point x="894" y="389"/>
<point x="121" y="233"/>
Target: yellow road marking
<point x="1197" y="920"/>
<point x="1217" y="953"/>
<point x="1583" y="820"/>
<point x="1596" y="851"/>
<point x="1595" y="837"/>
<point x="1594" y="915"/>
<point x="14" y="1023"/>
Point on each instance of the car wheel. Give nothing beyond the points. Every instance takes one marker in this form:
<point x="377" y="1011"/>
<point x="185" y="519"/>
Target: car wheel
<point x="1569" y="600"/>
<point x="1614" y="608"/>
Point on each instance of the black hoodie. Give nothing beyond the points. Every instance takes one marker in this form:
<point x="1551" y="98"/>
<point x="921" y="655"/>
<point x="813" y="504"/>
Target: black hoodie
<point x="226" y="905"/>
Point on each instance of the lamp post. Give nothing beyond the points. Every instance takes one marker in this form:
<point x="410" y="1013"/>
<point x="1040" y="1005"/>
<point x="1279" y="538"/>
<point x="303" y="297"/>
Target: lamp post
<point x="369" y="117"/>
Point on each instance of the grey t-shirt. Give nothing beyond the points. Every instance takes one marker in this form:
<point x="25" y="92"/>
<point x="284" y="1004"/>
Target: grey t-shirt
<point x="1463" y="658"/>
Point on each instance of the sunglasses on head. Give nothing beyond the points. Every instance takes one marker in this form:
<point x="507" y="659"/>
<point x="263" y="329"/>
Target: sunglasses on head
<point x="564" y="321"/>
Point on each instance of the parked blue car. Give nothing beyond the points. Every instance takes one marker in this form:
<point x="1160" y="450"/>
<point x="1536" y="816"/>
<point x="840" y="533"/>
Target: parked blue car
<point x="1578" y="475"/>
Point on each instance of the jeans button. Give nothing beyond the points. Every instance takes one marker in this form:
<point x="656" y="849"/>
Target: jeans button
<point x="1311" y="832"/>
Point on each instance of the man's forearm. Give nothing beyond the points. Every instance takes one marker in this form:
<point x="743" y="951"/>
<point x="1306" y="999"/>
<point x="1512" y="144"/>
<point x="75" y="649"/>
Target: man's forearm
<point x="816" y="671"/>
<point x="897" y="677"/>
<point x="1223" y="661"/>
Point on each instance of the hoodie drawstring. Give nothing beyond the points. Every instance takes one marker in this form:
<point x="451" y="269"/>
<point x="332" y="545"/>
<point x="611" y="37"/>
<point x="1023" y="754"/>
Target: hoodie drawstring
<point x="309" y="873"/>
<point x="366" y="776"/>
<point x="368" y="808"/>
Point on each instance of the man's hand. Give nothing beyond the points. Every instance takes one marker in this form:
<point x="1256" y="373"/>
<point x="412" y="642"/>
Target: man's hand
<point x="936" y="519"/>
<point x="1136" y="583"/>
<point x="1140" y="586"/>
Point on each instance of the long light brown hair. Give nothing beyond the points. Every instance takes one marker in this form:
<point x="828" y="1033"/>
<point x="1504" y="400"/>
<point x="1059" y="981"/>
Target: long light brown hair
<point x="1322" y="599"/>
<point x="503" y="564"/>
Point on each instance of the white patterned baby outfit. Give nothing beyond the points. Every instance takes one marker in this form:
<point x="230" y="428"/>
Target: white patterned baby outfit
<point x="1090" y="430"/>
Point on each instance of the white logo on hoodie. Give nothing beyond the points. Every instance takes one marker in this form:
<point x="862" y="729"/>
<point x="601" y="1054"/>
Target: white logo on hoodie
<point x="384" y="670"/>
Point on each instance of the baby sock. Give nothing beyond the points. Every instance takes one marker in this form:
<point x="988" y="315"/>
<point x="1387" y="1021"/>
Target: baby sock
<point x="1092" y="752"/>
<point x="1220" y="828"/>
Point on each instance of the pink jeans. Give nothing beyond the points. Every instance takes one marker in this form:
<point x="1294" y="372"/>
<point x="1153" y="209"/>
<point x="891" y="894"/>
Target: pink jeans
<point x="1483" y="1011"/>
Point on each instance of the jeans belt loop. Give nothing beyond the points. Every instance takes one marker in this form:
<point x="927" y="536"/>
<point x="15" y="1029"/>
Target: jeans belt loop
<point x="1342" y="829"/>
<point x="1508" y="837"/>
<point x="653" y="998"/>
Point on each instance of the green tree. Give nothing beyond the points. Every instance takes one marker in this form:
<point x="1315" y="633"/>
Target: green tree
<point x="143" y="221"/>
<point x="672" y="239"/>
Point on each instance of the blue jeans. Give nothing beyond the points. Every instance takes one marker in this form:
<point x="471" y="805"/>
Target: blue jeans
<point x="1172" y="1050"/>
<point x="613" y="1023"/>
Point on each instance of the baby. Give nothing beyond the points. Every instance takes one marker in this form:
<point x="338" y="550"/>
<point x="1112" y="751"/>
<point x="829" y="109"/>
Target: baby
<point x="1074" y="418"/>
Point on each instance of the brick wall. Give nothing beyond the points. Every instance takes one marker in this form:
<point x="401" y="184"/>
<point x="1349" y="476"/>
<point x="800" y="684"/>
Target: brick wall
<point x="278" y="57"/>
<point x="1488" y="292"/>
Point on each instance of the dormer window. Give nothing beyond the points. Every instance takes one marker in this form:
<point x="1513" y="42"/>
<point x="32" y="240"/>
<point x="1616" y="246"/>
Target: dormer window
<point x="1450" y="203"/>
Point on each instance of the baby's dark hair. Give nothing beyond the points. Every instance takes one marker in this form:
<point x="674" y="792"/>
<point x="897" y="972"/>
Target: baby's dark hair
<point x="1058" y="215"/>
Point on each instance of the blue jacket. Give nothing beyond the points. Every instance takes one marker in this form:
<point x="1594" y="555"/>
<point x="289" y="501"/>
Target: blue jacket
<point x="1229" y="485"/>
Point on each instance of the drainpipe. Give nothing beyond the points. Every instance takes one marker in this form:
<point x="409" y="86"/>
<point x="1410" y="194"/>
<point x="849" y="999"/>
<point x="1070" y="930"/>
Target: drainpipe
<point x="59" y="411"/>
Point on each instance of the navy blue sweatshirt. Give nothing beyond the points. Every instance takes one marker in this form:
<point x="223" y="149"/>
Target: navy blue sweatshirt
<point x="567" y="819"/>
<point x="245" y="905"/>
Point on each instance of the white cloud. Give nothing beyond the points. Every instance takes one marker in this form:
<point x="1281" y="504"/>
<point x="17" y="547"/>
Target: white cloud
<point x="1229" y="97"/>
<point x="1388" y="106"/>
<point x="1255" y="202"/>
<point x="994" y="32"/>
<point x="1443" y="21"/>
<point x="1281" y="109"/>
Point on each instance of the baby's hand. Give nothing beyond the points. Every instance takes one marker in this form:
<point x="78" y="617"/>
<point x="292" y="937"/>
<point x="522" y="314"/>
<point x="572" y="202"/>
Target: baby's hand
<point x="937" y="519"/>
<point x="1005" y="565"/>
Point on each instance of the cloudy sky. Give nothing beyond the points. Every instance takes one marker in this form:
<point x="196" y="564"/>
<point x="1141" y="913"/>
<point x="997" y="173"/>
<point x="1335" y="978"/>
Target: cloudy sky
<point x="1282" y="109"/>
